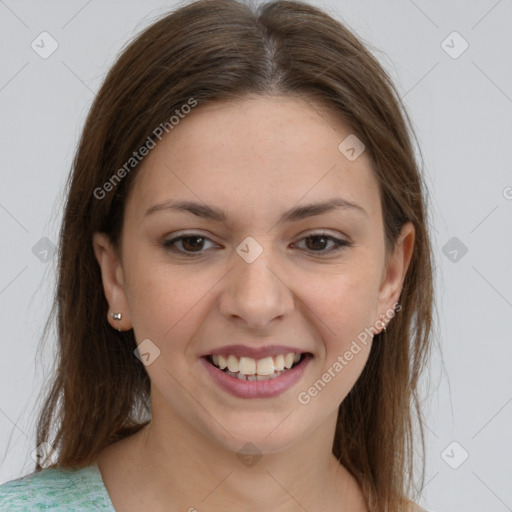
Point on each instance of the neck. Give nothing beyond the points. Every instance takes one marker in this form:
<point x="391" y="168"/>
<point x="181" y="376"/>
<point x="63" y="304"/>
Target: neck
<point x="181" y="469"/>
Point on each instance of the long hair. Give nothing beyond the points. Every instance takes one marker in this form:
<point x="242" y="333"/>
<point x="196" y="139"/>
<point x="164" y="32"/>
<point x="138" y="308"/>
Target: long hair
<point x="215" y="50"/>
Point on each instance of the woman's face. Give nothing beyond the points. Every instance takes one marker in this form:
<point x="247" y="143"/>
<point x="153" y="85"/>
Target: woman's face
<point x="259" y="277"/>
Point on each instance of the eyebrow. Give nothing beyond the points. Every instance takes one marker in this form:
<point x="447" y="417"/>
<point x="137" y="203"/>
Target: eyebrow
<point x="294" y="214"/>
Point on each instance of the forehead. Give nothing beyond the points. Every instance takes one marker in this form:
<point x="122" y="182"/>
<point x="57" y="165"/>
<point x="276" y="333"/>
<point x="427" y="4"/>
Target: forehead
<point x="266" y="151"/>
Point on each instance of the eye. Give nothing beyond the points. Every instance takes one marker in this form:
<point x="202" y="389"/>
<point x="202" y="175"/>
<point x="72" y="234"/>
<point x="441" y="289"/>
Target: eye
<point x="191" y="243"/>
<point x="319" y="240"/>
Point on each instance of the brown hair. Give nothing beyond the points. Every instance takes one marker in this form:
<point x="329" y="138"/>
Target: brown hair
<point x="214" y="50"/>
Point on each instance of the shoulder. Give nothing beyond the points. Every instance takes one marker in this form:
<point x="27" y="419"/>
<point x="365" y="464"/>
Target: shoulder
<point x="56" y="489"/>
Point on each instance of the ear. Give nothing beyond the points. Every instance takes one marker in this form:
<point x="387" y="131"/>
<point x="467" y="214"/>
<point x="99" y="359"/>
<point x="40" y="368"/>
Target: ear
<point x="113" y="280"/>
<point x="395" y="271"/>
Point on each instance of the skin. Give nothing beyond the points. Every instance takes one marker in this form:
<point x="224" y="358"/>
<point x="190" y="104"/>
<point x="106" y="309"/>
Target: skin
<point x="254" y="158"/>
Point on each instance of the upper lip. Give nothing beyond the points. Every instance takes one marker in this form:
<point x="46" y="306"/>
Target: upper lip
<point x="254" y="352"/>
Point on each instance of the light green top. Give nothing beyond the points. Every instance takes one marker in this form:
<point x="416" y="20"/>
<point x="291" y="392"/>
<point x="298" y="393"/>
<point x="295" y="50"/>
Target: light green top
<point x="58" y="490"/>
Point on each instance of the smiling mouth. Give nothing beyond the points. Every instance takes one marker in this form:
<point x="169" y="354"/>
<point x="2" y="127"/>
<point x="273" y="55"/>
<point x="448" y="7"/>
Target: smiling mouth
<point x="249" y="369"/>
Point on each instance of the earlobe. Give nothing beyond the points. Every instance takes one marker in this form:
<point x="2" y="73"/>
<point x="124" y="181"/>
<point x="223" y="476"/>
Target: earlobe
<point x="112" y="277"/>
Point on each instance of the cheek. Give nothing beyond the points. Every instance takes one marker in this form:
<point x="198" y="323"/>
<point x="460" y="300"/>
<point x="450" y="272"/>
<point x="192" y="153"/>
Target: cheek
<point x="157" y="297"/>
<point x="343" y="313"/>
<point x="342" y="306"/>
<point x="166" y="302"/>
<point x="344" y="303"/>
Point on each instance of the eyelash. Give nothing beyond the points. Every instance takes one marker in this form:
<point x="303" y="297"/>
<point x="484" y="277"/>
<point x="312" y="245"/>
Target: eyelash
<point x="341" y="244"/>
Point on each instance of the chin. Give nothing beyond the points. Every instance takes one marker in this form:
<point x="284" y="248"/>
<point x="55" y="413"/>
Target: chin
<point x="258" y="436"/>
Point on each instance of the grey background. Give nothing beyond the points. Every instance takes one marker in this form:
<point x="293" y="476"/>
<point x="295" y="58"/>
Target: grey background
<point x="462" y="111"/>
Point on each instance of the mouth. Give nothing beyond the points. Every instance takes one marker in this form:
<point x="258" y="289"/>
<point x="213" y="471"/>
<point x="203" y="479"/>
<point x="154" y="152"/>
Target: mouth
<point x="250" y="369"/>
<point x="265" y="377"/>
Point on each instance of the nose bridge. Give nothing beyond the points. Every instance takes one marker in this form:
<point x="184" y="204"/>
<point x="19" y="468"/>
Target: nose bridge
<point x="256" y="292"/>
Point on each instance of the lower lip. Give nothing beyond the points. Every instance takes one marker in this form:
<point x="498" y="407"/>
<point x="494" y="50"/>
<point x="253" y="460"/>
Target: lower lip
<point x="257" y="388"/>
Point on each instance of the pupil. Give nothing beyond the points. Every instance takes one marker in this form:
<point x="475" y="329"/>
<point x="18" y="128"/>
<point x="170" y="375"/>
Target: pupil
<point x="186" y="241"/>
<point x="321" y="237"/>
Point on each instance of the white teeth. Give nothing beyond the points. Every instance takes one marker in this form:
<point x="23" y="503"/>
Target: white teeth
<point x="223" y="362"/>
<point x="233" y="364"/>
<point x="241" y="376"/>
<point x="247" y="368"/>
<point x="279" y="363"/>
<point x="266" y="366"/>
<point x="288" y="360"/>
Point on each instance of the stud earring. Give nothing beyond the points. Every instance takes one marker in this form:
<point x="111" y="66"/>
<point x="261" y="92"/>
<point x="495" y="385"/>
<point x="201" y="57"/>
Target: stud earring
<point x="117" y="316"/>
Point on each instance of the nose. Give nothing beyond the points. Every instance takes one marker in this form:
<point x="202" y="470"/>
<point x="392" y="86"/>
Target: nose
<point x="256" y="293"/>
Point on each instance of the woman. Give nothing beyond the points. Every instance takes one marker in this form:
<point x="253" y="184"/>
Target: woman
<point x="245" y="285"/>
